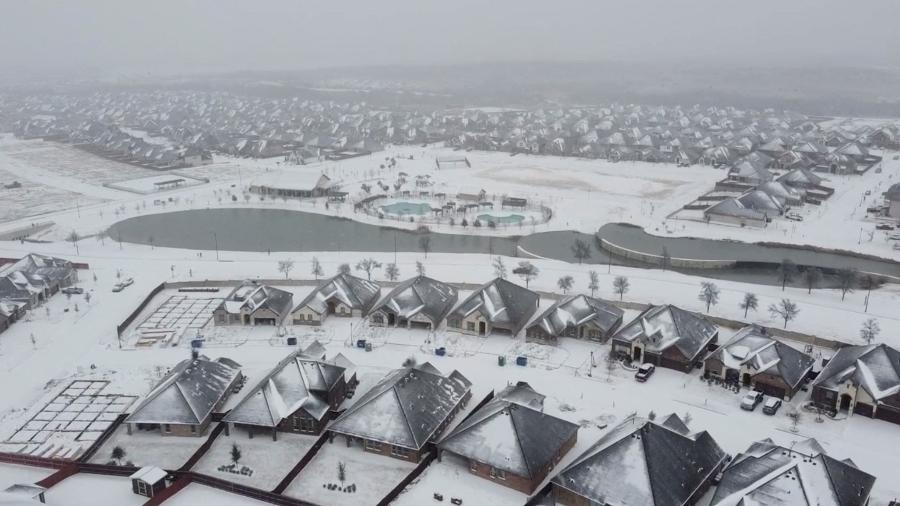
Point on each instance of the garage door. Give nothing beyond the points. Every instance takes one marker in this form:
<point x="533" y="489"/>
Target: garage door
<point x="887" y="414"/>
<point x="863" y="409"/>
<point x="671" y="364"/>
<point x="771" y="390"/>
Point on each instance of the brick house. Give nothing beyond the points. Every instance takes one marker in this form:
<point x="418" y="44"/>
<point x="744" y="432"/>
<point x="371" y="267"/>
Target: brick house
<point x="575" y="316"/>
<point x="666" y="336"/>
<point x="254" y="304"/>
<point x="419" y="302"/>
<point x="499" y="306"/>
<point x="863" y="380"/>
<point x="343" y="295"/>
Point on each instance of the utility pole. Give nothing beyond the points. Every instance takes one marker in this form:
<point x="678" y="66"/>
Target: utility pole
<point x="216" y="239"/>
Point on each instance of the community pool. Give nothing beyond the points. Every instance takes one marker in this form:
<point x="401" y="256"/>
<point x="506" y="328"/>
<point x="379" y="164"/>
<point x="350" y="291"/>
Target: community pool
<point x="510" y="219"/>
<point x="403" y="208"/>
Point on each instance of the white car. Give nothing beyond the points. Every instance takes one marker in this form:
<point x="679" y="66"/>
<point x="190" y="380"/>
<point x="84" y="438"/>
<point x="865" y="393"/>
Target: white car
<point x="793" y="217"/>
<point x="128" y="282"/>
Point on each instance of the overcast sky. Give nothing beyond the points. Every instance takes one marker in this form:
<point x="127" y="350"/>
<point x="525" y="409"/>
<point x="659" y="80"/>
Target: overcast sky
<point x="160" y="36"/>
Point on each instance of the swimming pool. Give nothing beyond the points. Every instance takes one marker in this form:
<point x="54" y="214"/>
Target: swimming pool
<point x="501" y="220"/>
<point x="402" y="208"/>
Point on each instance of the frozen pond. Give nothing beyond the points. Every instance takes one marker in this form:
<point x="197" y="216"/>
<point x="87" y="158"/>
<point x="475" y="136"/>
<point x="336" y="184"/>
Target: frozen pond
<point x="404" y="208"/>
<point x="507" y="219"/>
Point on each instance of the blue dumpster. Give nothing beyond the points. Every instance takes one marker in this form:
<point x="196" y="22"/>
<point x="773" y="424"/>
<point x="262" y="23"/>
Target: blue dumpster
<point x="521" y="360"/>
<point x="361" y="343"/>
<point x="440" y="351"/>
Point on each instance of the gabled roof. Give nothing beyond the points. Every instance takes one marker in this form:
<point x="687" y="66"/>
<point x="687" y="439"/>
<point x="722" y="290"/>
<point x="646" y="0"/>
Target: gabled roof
<point x="893" y="193"/>
<point x="351" y="291"/>
<point x="732" y="206"/>
<point x="297" y="382"/>
<point x="753" y="348"/>
<point x="420" y="295"/>
<point x="253" y="297"/>
<point x="577" y="310"/>
<point x="801" y="176"/>
<point x="874" y="367"/>
<point x="660" y="327"/>
<point x="188" y="393"/>
<point x="405" y="408"/>
<point x="642" y="462"/>
<point x="799" y="476"/>
<point x="507" y="435"/>
<point x="501" y="302"/>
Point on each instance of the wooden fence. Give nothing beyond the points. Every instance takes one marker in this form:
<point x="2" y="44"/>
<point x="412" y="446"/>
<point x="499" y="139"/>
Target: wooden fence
<point x="310" y="454"/>
<point x="419" y="469"/>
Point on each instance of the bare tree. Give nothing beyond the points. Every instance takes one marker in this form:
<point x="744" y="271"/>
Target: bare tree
<point x="786" y="310"/>
<point x="750" y="302"/>
<point x="499" y="268"/>
<point x="391" y="271"/>
<point x="102" y="236"/>
<point x="73" y="238"/>
<point x="425" y="244"/>
<point x="620" y="286"/>
<point x="709" y="293"/>
<point x="344" y="269"/>
<point x="581" y="250"/>
<point x="368" y="265"/>
<point x="787" y="271"/>
<point x="847" y="278"/>
<point x="565" y="283"/>
<point x="811" y="277"/>
<point x="593" y="282"/>
<point x="285" y="267"/>
<point x="868" y="283"/>
<point x="420" y="268"/>
<point x="316" y="268"/>
<point x="527" y="271"/>
<point x="870" y="330"/>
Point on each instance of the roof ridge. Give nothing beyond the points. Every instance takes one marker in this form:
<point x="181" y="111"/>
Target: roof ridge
<point x="512" y="421"/>
<point x="412" y="433"/>
<point x="186" y="401"/>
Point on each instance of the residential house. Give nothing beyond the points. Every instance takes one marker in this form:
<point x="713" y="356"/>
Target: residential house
<point x="417" y="302"/>
<point x="892" y="201"/>
<point x="292" y="183"/>
<point x="642" y="462"/>
<point x="733" y="211"/>
<point x="801" y="474"/>
<point x="404" y="413"/>
<point x="861" y="379"/>
<point x="342" y="295"/>
<point x="755" y="359"/>
<point x="576" y="316"/>
<point x="298" y="395"/>
<point x="254" y="304"/>
<point x="510" y="440"/>
<point x="34" y="278"/>
<point x="499" y="306"/>
<point x="183" y="402"/>
<point x="666" y="336"/>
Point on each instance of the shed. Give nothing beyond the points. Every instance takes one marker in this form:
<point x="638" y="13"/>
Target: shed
<point x="148" y="481"/>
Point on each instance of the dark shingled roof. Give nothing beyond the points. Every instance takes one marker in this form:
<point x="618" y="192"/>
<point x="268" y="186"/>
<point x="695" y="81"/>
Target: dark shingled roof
<point x="640" y="462"/>
<point x="660" y="327"/>
<point x="752" y="347"/>
<point x="353" y="292"/>
<point x="420" y="295"/>
<point x="502" y="303"/>
<point x="577" y="310"/>
<point x="874" y="367"/>
<point x="803" y="475"/>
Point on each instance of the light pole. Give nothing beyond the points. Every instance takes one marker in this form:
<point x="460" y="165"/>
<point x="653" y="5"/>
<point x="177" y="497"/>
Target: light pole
<point x="216" y="239"/>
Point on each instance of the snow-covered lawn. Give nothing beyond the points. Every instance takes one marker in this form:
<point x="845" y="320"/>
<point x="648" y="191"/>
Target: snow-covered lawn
<point x="11" y="474"/>
<point x="373" y="475"/>
<point x="270" y="460"/>
<point x="94" y="490"/>
<point x="196" y="494"/>
<point x="451" y="478"/>
<point x="150" y="448"/>
<point x="148" y="185"/>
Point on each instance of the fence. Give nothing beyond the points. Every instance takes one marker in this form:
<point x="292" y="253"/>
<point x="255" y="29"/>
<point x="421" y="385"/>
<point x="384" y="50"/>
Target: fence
<point x="134" y="314"/>
<point x="283" y="484"/>
<point x="396" y="491"/>
<point x="203" y="448"/>
<point x="87" y="455"/>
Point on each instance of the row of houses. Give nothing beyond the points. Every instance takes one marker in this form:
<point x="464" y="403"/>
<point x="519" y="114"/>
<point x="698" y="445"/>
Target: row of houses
<point x="28" y="282"/>
<point x="509" y="440"/>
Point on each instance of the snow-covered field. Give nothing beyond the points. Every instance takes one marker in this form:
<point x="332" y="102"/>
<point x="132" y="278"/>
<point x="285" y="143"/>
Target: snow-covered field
<point x="94" y="489"/>
<point x="11" y="474"/>
<point x="150" y="448"/>
<point x="148" y="185"/>
<point x="195" y="494"/>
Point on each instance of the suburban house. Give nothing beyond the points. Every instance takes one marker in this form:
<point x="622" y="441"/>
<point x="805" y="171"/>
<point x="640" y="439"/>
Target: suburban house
<point x="734" y="211"/>
<point x="183" y="402"/>
<point x="342" y="295"/>
<point x="148" y="481"/>
<point x="576" y="316"/>
<point x="892" y="201"/>
<point x="292" y="183"/>
<point x="34" y="278"/>
<point x="861" y="379"/>
<point x="499" y="306"/>
<point x="417" y="302"/>
<point x="666" y="336"/>
<point x="753" y="358"/>
<point x="510" y="440"/>
<point x="642" y="462"/>
<point x="298" y="395"/>
<point x="404" y="413"/>
<point x="802" y="474"/>
<point x="254" y="304"/>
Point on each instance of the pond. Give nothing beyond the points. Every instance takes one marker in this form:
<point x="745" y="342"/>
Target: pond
<point x="510" y="219"/>
<point x="404" y="208"/>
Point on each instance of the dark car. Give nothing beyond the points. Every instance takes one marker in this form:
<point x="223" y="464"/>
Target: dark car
<point x="751" y="400"/>
<point x="73" y="290"/>
<point x="644" y="372"/>
<point x="771" y="406"/>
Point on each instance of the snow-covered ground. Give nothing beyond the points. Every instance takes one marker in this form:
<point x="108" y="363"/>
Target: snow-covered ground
<point x="373" y="475"/>
<point x="195" y="494"/>
<point x="270" y="460"/>
<point x="93" y="489"/>
<point x="11" y="474"/>
<point x="150" y="448"/>
<point x="452" y="479"/>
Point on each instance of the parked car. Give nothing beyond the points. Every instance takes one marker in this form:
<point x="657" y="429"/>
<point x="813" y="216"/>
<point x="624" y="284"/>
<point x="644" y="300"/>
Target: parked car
<point x="793" y="217"/>
<point x="884" y="226"/>
<point x="128" y="282"/>
<point x="118" y="287"/>
<point x="894" y="237"/>
<point x="644" y="372"/>
<point x="868" y="192"/>
<point x="72" y="290"/>
<point x="897" y="245"/>
<point x="751" y="400"/>
<point x="772" y="405"/>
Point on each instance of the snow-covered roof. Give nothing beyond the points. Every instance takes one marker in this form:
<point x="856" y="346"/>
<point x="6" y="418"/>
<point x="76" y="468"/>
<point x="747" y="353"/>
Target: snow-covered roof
<point x="188" y="393"/>
<point x="751" y="347"/>
<point x="297" y="382"/>
<point x="351" y="291"/>
<point x="642" y="462"/>
<point x="420" y="295"/>
<point x="149" y="474"/>
<point x="802" y="475"/>
<point x="577" y="310"/>
<point x="294" y="179"/>
<point x="732" y="206"/>
<point x="873" y="367"/>
<point x="893" y="193"/>
<point x="501" y="302"/>
<point x="406" y="408"/>
<point x="507" y="435"/>
<point x="660" y="327"/>
<point x="253" y="296"/>
<point x="801" y="176"/>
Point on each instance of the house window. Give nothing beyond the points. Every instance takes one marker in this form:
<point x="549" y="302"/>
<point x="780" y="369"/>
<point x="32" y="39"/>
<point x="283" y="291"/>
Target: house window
<point x="399" y="451"/>
<point x="370" y="445"/>
<point x="303" y="424"/>
<point x="193" y="429"/>
<point x="470" y="326"/>
<point x="142" y="488"/>
<point x="454" y="322"/>
<point x="378" y="319"/>
<point x="498" y="474"/>
<point x="220" y="318"/>
<point x="167" y="428"/>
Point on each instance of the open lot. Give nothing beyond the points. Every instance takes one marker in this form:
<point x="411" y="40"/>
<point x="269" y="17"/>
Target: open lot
<point x="150" y="448"/>
<point x="94" y="489"/>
